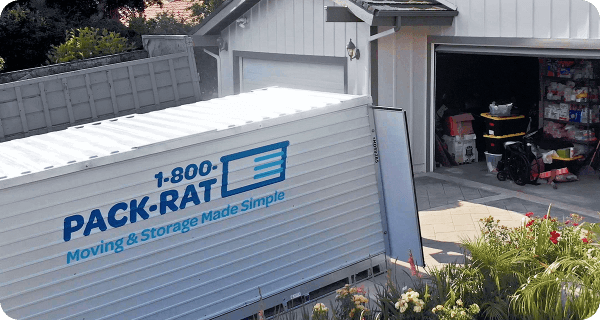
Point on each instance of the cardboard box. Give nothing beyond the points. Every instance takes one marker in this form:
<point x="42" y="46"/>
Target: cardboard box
<point x="459" y="125"/>
<point x="463" y="149"/>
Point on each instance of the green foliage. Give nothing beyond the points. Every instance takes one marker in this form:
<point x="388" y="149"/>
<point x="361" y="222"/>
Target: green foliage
<point x="27" y="35"/>
<point x="164" y="23"/>
<point x="1" y="63"/>
<point x="88" y="43"/>
<point x="544" y="269"/>
<point x="203" y="9"/>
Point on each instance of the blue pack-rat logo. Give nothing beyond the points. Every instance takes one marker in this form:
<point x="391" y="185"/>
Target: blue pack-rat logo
<point x="181" y="189"/>
<point x="269" y="168"/>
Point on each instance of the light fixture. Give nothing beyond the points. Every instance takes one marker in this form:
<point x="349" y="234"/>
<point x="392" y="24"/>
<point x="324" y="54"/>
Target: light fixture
<point x="222" y="44"/>
<point x="353" y="51"/>
<point x="241" y="22"/>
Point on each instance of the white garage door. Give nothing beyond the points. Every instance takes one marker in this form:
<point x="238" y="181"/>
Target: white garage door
<point x="257" y="74"/>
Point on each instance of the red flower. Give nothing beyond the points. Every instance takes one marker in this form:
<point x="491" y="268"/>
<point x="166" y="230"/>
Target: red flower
<point x="575" y="224"/>
<point x="567" y="222"/>
<point x="529" y="214"/>
<point x="554" y="236"/>
<point x="585" y="240"/>
<point x="545" y="216"/>
<point x="530" y="223"/>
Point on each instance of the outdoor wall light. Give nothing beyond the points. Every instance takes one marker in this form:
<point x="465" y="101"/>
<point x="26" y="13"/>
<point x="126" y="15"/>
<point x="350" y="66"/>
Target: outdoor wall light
<point x="353" y="51"/>
<point x="222" y="44"/>
<point x="241" y="22"/>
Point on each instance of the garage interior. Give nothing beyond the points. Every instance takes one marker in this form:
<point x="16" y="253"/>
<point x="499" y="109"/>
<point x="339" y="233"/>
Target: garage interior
<point x="467" y="83"/>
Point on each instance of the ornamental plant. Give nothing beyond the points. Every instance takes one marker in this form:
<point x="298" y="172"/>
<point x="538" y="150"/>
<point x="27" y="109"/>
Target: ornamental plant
<point x="84" y="43"/>
<point x="320" y="312"/>
<point x="456" y="311"/>
<point x="1" y="63"/>
<point x="351" y="303"/>
<point x="544" y="269"/>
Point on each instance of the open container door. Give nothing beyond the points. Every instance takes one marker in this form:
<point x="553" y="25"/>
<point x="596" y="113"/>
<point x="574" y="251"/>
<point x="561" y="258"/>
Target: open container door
<point x="392" y="149"/>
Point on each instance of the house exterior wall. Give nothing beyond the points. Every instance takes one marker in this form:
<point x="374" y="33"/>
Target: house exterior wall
<point x="403" y="61"/>
<point x="296" y="27"/>
<point x="542" y="19"/>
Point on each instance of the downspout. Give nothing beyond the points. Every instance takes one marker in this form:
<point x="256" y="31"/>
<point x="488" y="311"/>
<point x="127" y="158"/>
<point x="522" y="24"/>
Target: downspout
<point x="218" y="58"/>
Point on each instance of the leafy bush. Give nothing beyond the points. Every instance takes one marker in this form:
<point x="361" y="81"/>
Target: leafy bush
<point x="203" y="9"/>
<point x="1" y="63"/>
<point x="88" y="43"/>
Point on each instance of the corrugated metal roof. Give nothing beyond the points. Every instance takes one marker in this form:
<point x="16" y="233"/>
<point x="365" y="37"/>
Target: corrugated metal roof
<point x="90" y="144"/>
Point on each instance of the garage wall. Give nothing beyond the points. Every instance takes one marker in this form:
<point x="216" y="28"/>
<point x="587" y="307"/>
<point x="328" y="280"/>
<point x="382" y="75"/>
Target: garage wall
<point x="297" y="27"/>
<point x="558" y="19"/>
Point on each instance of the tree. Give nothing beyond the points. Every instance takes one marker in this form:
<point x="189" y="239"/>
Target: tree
<point x="26" y="36"/>
<point x="203" y="9"/>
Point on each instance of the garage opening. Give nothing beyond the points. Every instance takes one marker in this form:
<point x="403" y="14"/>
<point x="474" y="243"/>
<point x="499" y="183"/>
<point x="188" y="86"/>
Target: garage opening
<point x="548" y="104"/>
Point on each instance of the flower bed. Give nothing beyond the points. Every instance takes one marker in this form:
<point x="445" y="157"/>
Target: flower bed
<point x="543" y="270"/>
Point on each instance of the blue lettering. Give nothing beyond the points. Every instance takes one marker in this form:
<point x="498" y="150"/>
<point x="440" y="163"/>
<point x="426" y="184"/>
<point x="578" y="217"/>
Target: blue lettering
<point x="269" y="200"/>
<point x="119" y="245"/>
<point x="135" y="209"/>
<point x="194" y="222"/>
<point x="258" y="202"/>
<point x="72" y="256"/>
<point x="206" y="185"/>
<point x="69" y="228"/>
<point x="190" y="195"/>
<point x="95" y="221"/>
<point x="185" y="225"/>
<point x="245" y="205"/>
<point x="280" y="196"/>
<point x="85" y="253"/>
<point x="234" y="210"/>
<point x="113" y="211"/>
<point x="176" y="227"/>
<point x="152" y="231"/>
<point x="206" y="216"/>
<point x="217" y="215"/>
<point x="225" y="212"/>
<point x="95" y="252"/>
<point x="159" y="233"/>
<point x="170" y="203"/>
<point x="145" y="235"/>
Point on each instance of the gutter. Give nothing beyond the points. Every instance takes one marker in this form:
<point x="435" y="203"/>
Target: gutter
<point x="219" y="85"/>
<point x="396" y="28"/>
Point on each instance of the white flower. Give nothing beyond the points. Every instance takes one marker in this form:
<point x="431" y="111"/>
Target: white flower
<point x="439" y="307"/>
<point x="320" y="307"/>
<point x="403" y="308"/>
<point x="397" y="305"/>
<point x="417" y="309"/>
<point x="452" y="314"/>
<point x="525" y="220"/>
<point x="459" y="302"/>
<point x="463" y="313"/>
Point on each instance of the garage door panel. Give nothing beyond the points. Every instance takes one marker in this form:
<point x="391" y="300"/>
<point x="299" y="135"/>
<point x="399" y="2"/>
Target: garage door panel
<point x="258" y="74"/>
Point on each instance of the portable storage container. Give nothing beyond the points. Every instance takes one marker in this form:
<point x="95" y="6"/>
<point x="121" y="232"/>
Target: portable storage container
<point x="495" y="144"/>
<point x="199" y="211"/>
<point x="502" y="126"/>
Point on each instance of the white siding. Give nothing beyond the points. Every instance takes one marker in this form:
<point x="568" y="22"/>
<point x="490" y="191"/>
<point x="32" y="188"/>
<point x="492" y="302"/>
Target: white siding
<point x="297" y="27"/>
<point x="556" y="19"/>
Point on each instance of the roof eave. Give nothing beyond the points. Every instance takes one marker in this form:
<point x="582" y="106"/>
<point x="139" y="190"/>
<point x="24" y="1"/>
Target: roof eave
<point x="417" y="13"/>
<point x="223" y="16"/>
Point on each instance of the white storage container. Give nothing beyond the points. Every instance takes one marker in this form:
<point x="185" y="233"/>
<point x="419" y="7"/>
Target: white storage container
<point x="462" y="148"/>
<point x="185" y="213"/>
<point x="492" y="161"/>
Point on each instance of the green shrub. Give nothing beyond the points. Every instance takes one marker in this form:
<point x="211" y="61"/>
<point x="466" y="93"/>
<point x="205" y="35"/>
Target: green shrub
<point x="86" y="43"/>
<point x="1" y="63"/>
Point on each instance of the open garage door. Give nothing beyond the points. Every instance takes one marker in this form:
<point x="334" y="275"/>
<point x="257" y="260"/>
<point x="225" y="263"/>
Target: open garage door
<point x="259" y="73"/>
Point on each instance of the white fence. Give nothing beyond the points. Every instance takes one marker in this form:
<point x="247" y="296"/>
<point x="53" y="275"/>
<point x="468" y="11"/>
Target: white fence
<point x="59" y="101"/>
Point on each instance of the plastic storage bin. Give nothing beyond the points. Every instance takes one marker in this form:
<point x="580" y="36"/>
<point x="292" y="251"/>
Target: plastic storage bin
<point x="495" y="144"/>
<point x="492" y="161"/>
<point x="502" y="110"/>
<point x="502" y="126"/>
